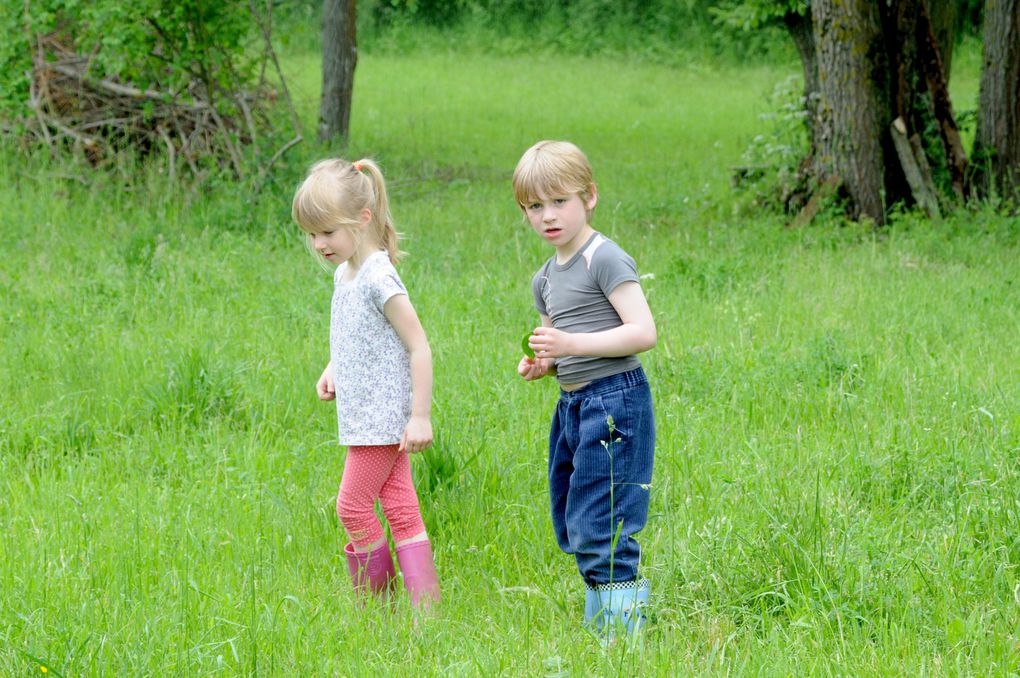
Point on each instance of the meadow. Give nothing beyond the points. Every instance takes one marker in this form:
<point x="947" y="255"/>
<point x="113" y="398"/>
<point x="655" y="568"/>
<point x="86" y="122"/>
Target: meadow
<point x="838" y="408"/>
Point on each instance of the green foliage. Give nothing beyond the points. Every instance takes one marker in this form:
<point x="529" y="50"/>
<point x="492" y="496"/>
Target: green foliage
<point x="432" y="12"/>
<point x="162" y="44"/>
<point x="15" y="57"/>
<point x="771" y="161"/>
<point x="752" y="15"/>
<point x="297" y="24"/>
<point x="970" y="14"/>
<point x="661" y="29"/>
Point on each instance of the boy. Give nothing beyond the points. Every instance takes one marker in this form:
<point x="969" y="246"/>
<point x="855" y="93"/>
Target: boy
<point x="595" y="319"/>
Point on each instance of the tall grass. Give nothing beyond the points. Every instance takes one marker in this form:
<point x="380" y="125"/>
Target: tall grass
<point x="836" y="473"/>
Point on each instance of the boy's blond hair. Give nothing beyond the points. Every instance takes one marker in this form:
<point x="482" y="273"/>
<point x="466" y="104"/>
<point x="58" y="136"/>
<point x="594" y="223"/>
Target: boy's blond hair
<point x="336" y="191"/>
<point x="552" y="168"/>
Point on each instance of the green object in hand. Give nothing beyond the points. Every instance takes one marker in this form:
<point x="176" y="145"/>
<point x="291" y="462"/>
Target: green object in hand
<point x="527" y="349"/>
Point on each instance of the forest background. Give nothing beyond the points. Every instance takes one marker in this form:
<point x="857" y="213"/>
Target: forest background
<point x="838" y="403"/>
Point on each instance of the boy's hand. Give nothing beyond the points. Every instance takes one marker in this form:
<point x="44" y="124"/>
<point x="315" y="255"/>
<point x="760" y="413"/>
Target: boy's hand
<point x="549" y="342"/>
<point x="417" y="435"/>
<point x="531" y="369"/>
<point x="325" y="386"/>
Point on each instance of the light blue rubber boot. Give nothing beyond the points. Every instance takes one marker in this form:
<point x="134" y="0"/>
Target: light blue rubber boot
<point x="591" y="606"/>
<point x="616" y="609"/>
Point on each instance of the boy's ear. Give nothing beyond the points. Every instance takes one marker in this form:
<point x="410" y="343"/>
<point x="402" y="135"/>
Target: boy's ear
<point x="593" y="199"/>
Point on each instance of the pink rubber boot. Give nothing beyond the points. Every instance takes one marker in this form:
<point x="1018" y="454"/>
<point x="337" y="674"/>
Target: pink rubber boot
<point x="373" y="570"/>
<point x="419" y="572"/>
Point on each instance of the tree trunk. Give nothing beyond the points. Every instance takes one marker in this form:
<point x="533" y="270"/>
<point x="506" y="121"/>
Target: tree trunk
<point x="871" y="63"/>
<point x="850" y="134"/>
<point x="901" y="91"/>
<point x="339" y="57"/>
<point x="997" y="143"/>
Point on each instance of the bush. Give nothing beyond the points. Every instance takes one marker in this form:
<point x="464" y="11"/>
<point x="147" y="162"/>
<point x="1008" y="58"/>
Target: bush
<point x="185" y="77"/>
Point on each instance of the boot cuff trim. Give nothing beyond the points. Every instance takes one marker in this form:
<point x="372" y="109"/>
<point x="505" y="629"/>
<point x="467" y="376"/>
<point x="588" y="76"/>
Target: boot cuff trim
<point x="632" y="585"/>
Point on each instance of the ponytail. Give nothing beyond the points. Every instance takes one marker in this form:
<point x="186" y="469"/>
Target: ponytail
<point x="382" y="219"/>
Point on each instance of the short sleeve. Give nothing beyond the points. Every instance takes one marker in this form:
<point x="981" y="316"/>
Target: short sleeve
<point x="539" y="284"/>
<point x="384" y="287"/>
<point x="383" y="284"/>
<point x="612" y="266"/>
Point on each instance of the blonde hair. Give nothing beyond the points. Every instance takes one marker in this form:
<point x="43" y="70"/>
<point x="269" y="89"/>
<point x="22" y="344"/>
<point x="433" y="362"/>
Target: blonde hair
<point x="552" y="168"/>
<point x="334" y="194"/>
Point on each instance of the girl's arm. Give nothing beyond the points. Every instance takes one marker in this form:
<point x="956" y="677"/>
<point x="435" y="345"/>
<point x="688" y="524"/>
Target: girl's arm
<point x="636" y="334"/>
<point x="402" y="316"/>
<point x="536" y="368"/>
<point x="325" y="386"/>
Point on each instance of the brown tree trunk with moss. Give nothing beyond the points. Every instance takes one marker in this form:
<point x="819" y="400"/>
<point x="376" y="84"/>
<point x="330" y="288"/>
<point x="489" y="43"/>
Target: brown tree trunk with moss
<point x="997" y="141"/>
<point x="850" y="112"/>
<point x="339" y="58"/>
<point x="867" y="64"/>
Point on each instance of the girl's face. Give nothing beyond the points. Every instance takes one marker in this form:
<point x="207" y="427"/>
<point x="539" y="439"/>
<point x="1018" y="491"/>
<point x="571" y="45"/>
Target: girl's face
<point x="345" y="242"/>
<point x="562" y="220"/>
<point x="337" y="246"/>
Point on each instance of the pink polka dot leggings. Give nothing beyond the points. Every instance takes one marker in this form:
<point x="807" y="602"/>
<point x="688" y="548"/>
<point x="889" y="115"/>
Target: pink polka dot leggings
<point x="378" y="472"/>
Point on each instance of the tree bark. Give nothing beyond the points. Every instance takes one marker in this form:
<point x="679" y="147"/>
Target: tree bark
<point x="339" y="58"/>
<point x="900" y="90"/>
<point x="849" y="113"/>
<point x="997" y="141"/>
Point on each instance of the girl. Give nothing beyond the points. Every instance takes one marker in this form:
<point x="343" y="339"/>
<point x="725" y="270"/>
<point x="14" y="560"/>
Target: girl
<point x="379" y="373"/>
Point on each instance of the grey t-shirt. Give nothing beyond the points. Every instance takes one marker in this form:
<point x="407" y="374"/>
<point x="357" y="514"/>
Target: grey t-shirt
<point x="575" y="296"/>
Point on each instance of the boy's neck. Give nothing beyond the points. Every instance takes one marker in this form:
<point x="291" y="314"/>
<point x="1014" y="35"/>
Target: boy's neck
<point x="568" y="249"/>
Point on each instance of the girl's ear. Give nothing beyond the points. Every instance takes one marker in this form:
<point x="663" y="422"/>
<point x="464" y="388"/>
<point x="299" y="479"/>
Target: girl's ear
<point x="593" y="199"/>
<point x="364" y="217"/>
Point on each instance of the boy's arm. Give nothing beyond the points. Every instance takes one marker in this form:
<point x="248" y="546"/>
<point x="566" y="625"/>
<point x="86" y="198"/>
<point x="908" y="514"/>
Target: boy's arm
<point x="636" y="334"/>
<point x="402" y="316"/>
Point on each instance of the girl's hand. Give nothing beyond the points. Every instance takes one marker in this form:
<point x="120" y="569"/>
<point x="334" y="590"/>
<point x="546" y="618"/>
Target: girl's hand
<point x="325" y="386"/>
<point x="531" y="369"/>
<point x="417" y="435"/>
<point x="549" y="342"/>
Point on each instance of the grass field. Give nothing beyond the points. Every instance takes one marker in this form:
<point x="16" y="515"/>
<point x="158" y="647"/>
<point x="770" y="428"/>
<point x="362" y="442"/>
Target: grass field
<point x="838" y="409"/>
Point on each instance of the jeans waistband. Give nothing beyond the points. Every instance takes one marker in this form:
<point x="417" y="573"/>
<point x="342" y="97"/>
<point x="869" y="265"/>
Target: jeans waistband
<point x="613" y="382"/>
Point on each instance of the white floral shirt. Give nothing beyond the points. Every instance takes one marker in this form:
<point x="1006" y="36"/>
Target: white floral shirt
<point x="371" y="365"/>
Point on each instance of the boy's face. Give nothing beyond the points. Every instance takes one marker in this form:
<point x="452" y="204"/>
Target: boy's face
<point x="562" y="220"/>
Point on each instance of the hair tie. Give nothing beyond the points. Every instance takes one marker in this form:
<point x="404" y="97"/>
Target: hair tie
<point x="358" y="166"/>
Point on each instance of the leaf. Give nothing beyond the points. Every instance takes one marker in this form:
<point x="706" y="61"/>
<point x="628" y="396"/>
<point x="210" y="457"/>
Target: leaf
<point x="527" y="349"/>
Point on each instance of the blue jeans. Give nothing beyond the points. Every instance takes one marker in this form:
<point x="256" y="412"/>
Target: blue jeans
<point x="598" y="481"/>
